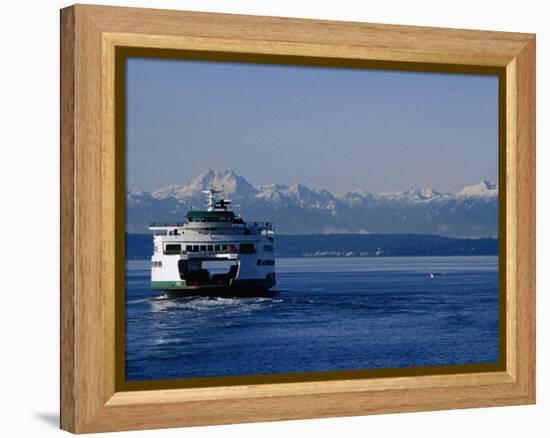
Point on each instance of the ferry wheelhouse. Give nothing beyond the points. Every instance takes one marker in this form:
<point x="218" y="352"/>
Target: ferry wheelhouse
<point x="214" y="253"/>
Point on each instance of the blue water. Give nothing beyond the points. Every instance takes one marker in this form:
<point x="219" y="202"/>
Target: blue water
<point x="327" y="314"/>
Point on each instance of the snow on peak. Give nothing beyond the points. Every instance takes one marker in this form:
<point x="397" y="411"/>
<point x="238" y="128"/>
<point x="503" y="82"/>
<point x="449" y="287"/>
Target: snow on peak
<point x="357" y="193"/>
<point x="422" y="193"/>
<point x="225" y="180"/>
<point x="413" y="194"/>
<point x="231" y="183"/>
<point x="484" y="189"/>
<point x="135" y="196"/>
<point x="133" y="192"/>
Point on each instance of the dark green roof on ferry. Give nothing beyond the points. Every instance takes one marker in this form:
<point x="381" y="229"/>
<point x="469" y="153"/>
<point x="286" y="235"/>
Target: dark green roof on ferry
<point x="197" y="214"/>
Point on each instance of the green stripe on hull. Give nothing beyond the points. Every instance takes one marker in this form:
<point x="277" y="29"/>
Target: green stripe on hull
<point x="180" y="284"/>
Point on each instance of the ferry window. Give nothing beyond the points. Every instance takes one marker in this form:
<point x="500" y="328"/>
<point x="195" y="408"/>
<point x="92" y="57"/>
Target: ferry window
<point x="224" y="247"/>
<point x="246" y="248"/>
<point x="189" y="248"/>
<point x="216" y="247"/>
<point x="268" y="248"/>
<point x="195" y="248"/>
<point x="157" y="264"/>
<point x="203" y="247"/>
<point x="172" y="248"/>
<point x="210" y="247"/>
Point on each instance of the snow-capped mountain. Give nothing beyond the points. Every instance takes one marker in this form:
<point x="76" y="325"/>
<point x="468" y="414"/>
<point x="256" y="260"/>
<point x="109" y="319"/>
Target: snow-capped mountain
<point x="229" y="181"/>
<point x="485" y="189"/>
<point x="297" y="209"/>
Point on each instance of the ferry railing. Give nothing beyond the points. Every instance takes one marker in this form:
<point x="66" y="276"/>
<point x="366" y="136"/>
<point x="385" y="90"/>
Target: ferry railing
<point x="166" y="224"/>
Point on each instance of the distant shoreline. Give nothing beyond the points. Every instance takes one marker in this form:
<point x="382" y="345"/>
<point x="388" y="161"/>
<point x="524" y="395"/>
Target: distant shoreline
<point x="138" y="246"/>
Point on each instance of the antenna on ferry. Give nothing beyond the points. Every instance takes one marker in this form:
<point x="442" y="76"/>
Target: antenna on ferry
<point x="211" y="202"/>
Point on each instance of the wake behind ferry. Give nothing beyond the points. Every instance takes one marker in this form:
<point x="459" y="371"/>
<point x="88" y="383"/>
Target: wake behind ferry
<point x="214" y="253"/>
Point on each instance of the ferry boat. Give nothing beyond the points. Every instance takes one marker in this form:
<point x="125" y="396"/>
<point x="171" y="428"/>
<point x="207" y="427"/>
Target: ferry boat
<point x="214" y="253"/>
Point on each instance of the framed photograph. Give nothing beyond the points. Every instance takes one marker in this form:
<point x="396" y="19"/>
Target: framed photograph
<point x="271" y="218"/>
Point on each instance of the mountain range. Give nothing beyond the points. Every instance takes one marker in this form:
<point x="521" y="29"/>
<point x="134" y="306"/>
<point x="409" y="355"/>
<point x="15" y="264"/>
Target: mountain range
<point x="297" y="209"/>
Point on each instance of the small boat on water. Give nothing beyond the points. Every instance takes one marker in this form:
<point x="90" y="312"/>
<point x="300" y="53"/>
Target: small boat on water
<point x="214" y="253"/>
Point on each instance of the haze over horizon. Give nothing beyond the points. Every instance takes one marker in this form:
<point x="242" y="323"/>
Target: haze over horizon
<point x="335" y="129"/>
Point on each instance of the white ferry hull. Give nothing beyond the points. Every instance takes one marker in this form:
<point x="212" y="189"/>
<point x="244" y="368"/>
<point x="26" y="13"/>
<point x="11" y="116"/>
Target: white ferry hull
<point x="238" y="288"/>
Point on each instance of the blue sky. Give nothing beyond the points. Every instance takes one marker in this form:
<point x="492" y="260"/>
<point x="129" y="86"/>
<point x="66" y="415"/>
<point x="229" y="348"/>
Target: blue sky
<point x="338" y="129"/>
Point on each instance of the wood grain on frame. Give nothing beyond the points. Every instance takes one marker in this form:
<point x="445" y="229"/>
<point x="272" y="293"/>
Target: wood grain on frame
<point x="67" y="268"/>
<point x="89" y="36"/>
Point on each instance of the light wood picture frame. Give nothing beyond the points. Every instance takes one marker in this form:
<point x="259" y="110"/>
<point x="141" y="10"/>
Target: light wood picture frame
<point x="92" y="396"/>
